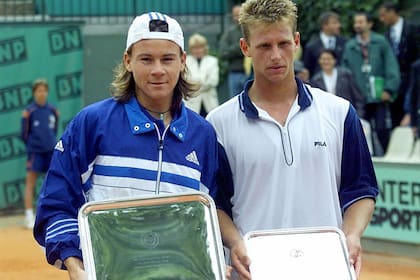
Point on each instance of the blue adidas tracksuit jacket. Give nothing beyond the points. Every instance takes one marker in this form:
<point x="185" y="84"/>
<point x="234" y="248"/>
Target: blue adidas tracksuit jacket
<point x="116" y="150"/>
<point x="39" y="127"/>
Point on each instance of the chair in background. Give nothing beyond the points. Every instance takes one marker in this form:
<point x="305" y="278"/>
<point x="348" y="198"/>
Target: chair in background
<point x="415" y="155"/>
<point x="400" y="146"/>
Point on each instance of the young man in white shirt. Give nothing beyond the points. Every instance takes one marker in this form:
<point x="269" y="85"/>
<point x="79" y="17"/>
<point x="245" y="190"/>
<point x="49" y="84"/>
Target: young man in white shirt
<point x="294" y="155"/>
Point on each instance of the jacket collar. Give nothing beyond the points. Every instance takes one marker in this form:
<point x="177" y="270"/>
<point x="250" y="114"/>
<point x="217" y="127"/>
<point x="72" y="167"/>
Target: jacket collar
<point x="140" y="122"/>
<point x="374" y="39"/>
<point x="246" y="105"/>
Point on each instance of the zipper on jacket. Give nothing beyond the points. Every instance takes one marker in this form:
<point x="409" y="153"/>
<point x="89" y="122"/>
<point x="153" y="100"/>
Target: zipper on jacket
<point x="160" y="159"/>
<point x="286" y="141"/>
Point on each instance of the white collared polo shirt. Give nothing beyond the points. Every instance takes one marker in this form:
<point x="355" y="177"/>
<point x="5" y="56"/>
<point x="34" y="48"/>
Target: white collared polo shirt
<point x="305" y="173"/>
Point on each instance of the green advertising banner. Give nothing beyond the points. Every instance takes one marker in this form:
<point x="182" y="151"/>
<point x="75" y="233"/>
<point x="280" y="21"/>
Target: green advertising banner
<point x="28" y="52"/>
<point x="397" y="212"/>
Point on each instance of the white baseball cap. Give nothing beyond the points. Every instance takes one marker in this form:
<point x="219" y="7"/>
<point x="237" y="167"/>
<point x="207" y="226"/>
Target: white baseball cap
<point x="155" y="25"/>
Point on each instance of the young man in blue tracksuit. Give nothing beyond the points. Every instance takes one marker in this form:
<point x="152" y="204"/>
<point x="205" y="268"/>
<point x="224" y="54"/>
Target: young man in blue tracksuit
<point x="39" y="130"/>
<point x="141" y="141"/>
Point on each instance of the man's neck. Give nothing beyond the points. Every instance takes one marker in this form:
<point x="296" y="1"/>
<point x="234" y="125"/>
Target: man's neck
<point x="158" y="109"/>
<point x="329" y="72"/>
<point x="395" y="20"/>
<point x="281" y="92"/>
<point x="157" y="105"/>
<point x="328" y="34"/>
<point x="41" y="103"/>
<point x="365" y="36"/>
<point x="275" y="99"/>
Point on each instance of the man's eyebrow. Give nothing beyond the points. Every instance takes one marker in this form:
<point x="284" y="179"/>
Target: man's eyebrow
<point x="149" y="54"/>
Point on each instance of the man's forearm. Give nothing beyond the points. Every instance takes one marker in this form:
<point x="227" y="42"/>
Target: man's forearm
<point x="357" y="217"/>
<point x="75" y="268"/>
<point x="230" y="233"/>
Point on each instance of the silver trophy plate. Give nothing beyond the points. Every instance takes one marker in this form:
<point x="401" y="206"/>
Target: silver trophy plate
<point x="299" y="254"/>
<point x="159" y="237"/>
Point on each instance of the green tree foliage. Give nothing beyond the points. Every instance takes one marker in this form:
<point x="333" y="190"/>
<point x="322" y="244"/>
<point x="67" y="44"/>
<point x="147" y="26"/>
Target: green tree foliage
<point x="309" y="12"/>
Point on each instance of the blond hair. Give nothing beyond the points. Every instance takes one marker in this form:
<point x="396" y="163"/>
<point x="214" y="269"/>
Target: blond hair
<point x="255" y="12"/>
<point x="198" y="40"/>
<point x="123" y="87"/>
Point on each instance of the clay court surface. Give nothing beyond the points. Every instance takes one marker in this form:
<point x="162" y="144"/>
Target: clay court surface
<point x="22" y="258"/>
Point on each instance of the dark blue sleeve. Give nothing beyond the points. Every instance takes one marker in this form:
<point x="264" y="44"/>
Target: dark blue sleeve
<point x="224" y="182"/>
<point x="358" y="179"/>
<point x="413" y="93"/>
<point x="57" y="118"/>
<point x="26" y="115"/>
<point x="209" y="172"/>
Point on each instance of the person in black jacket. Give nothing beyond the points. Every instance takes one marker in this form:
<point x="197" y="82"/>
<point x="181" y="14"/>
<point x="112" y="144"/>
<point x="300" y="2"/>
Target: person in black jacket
<point x="403" y="37"/>
<point x="231" y="55"/>
<point x="337" y="80"/>
<point x="328" y="38"/>
<point x="413" y="97"/>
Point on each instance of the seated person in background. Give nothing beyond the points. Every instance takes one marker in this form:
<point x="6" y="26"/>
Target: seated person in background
<point x="337" y="80"/>
<point x="300" y="71"/>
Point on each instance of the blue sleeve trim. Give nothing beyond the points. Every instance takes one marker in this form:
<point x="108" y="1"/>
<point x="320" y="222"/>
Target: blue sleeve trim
<point x="59" y="237"/>
<point x="224" y="182"/>
<point x="357" y="199"/>
<point x="358" y="179"/>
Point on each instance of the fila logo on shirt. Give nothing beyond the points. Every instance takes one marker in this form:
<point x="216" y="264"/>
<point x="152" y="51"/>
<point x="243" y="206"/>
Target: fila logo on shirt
<point x="192" y="157"/>
<point x="320" y="144"/>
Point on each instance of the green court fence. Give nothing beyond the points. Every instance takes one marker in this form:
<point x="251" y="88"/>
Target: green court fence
<point x="108" y="11"/>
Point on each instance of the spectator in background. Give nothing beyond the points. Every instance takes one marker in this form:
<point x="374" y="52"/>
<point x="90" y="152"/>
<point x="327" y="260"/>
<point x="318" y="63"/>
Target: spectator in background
<point x="337" y="80"/>
<point x="203" y="70"/>
<point x="413" y="97"/>
<point x="39" y="131"/>
<point x="300" y="71"/>
<point x="230" y="54"/>
<point x="328" y="38"/>
<point x="370" y="58"/>
<point x="404" y="39"/>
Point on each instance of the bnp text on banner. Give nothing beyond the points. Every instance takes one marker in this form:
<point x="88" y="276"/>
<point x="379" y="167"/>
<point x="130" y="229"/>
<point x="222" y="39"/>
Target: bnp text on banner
<point x="11" y="147"/>
<point x="13" y="50"/>
<point x="65" y="40"/>
<point x="15" y="97"/>
<point x="68" y="85"/>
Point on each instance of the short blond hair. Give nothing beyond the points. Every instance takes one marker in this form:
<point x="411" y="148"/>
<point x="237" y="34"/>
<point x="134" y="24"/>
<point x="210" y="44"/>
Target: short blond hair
<point x="255" y="12"/>
<point x="198" y="40"/>
<point x="39" y="82"/>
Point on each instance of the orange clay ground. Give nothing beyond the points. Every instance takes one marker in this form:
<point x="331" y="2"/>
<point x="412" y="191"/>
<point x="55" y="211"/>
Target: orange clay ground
<point x="22" y="258"/>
